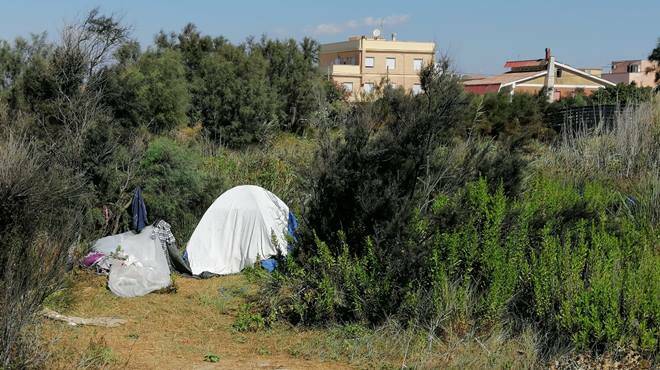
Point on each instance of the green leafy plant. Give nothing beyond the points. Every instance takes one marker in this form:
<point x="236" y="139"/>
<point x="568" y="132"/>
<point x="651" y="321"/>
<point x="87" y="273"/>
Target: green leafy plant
<point x="248" y="320"/>
<point x="211" y="357"/>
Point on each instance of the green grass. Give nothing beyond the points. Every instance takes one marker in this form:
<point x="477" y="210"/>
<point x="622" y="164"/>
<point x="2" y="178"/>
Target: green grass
<point x="391" y="346"/>
<point x="218" y="302"/>
<point x="98" y="355"/>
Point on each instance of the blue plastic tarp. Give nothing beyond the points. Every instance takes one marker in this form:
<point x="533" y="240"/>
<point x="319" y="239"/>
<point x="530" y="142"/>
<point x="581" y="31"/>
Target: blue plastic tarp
<point x="270" y="264"/>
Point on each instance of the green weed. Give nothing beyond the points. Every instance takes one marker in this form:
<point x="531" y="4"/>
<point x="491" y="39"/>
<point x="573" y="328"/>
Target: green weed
<point x="248" y="320"/>
<point x="97" y="355"/>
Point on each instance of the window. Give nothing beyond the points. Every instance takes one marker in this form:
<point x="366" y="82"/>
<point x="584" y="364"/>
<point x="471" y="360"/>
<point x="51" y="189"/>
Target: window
<point x="558" y="74"/>
<point x="368" y="87"/>
<point x="348" y="86"/>
<point x="633" y="68"/>
<point x="416" y="89"/>
<point x="390" y="63"/>
<point x="417" y="64"/>
<point x="369" y="62"/>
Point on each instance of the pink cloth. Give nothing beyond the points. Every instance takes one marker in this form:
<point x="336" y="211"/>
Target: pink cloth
<point x="91" y="258"/>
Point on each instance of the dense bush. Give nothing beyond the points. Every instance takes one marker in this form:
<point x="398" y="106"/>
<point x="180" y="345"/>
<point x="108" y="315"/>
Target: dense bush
<point x="563" y="245"/>
<point x="242" y="92"/>
<point x="514" y="120"/>
<point x="49" y="107"/>
<point x="177" y="186"/>
<point x="564" y="257"/>
<point x="233" y="99"/>
<point x="152" y="92"/>
<point x="367" y="179"/>
<point x="280" y="167"/>
<point x="655" y="57"/>
<point x="521" y="119"/>
<point x="622" y="94"/>
<point x="626" y="156"/>
<point x="292" y="71"/>
<point x="42" y="212"/>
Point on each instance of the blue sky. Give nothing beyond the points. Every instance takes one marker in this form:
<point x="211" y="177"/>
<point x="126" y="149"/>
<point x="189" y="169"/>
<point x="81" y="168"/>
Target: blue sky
<point x="479" y="35"/>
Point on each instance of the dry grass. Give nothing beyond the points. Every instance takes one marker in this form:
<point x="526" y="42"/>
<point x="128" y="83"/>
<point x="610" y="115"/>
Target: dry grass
<point x="179" y="330"/>
<point x="627" y="150"/>
<point x="392" y="346"/>
<point x="173" y="331"/>
<point x="626" y="154"/>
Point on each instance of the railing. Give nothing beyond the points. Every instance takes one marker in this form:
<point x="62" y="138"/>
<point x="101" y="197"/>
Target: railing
<point x="588" y="116"/>
<point x="344" y="69"/>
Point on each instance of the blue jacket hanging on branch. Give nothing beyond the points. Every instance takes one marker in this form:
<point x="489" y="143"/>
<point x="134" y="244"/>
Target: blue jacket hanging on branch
<point x="139" y="210"/>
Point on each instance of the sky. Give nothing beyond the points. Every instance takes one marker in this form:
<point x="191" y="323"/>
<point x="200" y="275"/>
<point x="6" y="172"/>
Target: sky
<point x="478" y="35"/>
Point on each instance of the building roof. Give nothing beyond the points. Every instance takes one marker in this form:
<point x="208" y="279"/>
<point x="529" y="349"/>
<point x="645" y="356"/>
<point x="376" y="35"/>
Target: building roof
<point x="584" y="74"/>
<point x="524" y="63"/>
<point x="629" y="61"/>
<point x="505" y="78"/>
<point x="473" y="76"/>
<point x="372" y="44"/>
<point x="509" y="78"/>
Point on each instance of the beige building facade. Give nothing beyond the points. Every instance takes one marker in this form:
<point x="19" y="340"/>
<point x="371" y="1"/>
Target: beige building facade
<point x="641" y="72"/>
<point x="361" y="64"/>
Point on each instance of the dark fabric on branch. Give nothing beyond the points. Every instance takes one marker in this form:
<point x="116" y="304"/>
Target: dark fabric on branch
<point x="139" y="210"/>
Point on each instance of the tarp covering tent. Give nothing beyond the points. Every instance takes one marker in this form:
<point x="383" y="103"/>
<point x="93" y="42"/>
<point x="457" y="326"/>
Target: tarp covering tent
<point x="237" y="228"/>
<point x="138" y="264"/>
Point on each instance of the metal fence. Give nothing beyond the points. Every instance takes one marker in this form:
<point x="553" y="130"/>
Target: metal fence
<point x="587" y="116"/>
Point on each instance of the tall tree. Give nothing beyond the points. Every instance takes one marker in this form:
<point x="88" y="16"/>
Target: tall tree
<point x="655" y="56"/>
<point x="233" y="98"/>
<point x="293" y="73"/>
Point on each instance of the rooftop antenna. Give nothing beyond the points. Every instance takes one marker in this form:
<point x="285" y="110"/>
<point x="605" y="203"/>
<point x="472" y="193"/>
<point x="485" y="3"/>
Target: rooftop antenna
<point x="378" y="30"/>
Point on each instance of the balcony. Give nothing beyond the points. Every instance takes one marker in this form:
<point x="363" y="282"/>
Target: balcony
<point x="344" y="70"/>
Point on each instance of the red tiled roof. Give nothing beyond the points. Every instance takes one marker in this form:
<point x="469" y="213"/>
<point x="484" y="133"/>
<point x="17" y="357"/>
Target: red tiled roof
<point x="524" y="63"/>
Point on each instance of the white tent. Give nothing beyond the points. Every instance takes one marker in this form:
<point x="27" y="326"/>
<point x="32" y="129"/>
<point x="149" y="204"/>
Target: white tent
<point x="144" y="268"/>
<point x="238" y="227"/>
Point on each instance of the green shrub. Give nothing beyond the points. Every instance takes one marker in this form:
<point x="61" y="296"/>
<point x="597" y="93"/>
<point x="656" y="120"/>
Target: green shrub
<point x="281" y="168"/>
<point x="248" y="320"/>
<point x="178" y="186"/>
<point x="513" y="120"/>
<point x="622" y="94"/>
<point x="153" y="92"/>
<point x="564" y="256"/>
<point x="367" y="180"/>
<point x="42" y="212"/>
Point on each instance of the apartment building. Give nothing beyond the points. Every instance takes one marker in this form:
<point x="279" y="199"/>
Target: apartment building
<point x="361" y="63"/>
<point x="639" y="71"/>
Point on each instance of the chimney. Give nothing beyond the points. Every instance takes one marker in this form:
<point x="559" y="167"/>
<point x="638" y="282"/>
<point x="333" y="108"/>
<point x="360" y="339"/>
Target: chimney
<point x="550" y="76"/>
<point x="393" y="36"/>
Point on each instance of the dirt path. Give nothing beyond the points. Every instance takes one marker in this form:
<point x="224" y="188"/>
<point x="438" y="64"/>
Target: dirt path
<point x="173" y="331"/>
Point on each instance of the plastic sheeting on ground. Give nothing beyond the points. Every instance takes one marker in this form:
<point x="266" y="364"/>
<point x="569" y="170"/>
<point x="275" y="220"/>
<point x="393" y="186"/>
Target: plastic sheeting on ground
<point x="138" y="263"/>
<point x="238" y="227"/>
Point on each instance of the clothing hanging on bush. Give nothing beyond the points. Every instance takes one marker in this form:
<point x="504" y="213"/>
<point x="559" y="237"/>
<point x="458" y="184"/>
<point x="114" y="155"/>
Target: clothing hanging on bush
<point x="139" y="210"/>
